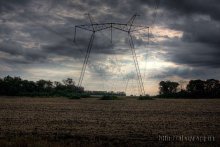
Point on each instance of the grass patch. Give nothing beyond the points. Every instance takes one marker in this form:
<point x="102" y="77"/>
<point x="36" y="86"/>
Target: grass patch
<point x="76" y="95"/>
<point x="146" y="97"/>
<point x="85" y="95"/>
<point x="109" y="97"/>
<point x="73" y="96"/>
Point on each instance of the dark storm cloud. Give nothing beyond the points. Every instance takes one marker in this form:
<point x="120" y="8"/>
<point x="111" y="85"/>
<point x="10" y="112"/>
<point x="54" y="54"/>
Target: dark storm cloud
<point x="192" y="54"/>
<point x="199" y="45"/>
<point x="53" y="38"/>
<point x="183" y="72"/>
<point x="78" y="49"/>
<point x="200" y="23"/>
<point x="7" y="4"/>
<point x="36" y="30"/>
<point x="10" y="47"/>
<point x="25" y="55"/>
<point x="203" y="31"/>
<point x="189" y="7"/>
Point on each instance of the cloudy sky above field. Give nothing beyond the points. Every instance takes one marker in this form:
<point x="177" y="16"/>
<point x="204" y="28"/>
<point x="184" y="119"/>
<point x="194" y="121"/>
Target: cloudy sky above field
<point x="36" y="41"/>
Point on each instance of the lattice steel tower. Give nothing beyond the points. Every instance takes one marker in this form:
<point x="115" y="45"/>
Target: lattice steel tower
<point x="128" y="27"/>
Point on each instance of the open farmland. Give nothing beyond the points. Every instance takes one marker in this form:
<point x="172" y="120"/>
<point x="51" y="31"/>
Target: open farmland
<point x="60" y="121"/>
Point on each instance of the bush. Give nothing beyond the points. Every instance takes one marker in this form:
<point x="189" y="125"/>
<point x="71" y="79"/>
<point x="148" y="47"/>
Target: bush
<point x="146" y="97"/>
<point x="73" y="96"/>
<point x="109" y="97"/>
<point x="85" y="95"/>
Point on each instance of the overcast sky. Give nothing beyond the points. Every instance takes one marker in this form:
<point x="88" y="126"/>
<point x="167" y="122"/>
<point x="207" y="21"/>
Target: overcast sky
<point x="36" y="42"/>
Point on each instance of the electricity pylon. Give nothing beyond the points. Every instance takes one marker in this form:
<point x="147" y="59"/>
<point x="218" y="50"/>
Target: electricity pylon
<point x="128" y="27"/>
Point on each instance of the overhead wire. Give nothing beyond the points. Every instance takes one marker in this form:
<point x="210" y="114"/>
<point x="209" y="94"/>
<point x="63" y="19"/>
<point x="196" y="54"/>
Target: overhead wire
<point x="157" y="3"/>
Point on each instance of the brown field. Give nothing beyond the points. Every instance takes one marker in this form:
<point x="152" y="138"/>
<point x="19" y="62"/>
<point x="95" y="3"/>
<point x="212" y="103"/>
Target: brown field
<point x="93" y="122"/>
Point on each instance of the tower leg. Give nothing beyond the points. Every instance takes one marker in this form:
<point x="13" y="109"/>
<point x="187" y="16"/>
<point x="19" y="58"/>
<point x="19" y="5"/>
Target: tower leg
<point x="86" y="59"/>
<point x="140" y="81"/>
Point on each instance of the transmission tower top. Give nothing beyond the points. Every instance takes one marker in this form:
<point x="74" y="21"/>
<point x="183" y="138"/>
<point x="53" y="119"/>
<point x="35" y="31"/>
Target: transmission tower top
<point x="96" y="27"/>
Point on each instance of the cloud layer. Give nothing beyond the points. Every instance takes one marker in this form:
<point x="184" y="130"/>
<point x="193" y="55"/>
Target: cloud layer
<point x="37" y="37"/>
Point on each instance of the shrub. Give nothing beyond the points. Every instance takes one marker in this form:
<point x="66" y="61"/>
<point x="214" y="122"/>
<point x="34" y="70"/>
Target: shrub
<point x="85" y="95"/>
<point x="73" y="96"/>
<point x="146" y="97"/>
<point x="109" y="97"/>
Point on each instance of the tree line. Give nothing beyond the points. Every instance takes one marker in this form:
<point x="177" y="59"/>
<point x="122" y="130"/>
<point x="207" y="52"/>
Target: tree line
<point x="194" y="89"/>
<point x="106" y="93"/>
<point x="15" y="86"/>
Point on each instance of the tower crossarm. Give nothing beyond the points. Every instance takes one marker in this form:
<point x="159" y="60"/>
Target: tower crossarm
<point x="119" y="26"/>
<point x="138" y="28"/>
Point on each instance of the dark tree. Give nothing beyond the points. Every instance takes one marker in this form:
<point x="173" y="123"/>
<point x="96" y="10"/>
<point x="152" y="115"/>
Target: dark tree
<point x="44" y="86"/>
<point x="1" y="86"/>
<point x="12" y="85"/>
<point x="196" y="88"/>
<point x="168" y="87"/>
<point x="69" y="82"/>
<point x="212" y="87"/>
<point x="28" y="86"/>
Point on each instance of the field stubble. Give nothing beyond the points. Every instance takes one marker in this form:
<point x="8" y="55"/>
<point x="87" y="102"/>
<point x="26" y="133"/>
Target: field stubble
<point x="97" y="122"/>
